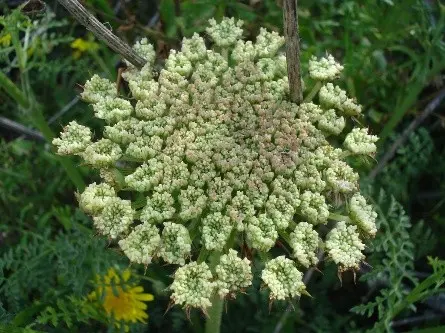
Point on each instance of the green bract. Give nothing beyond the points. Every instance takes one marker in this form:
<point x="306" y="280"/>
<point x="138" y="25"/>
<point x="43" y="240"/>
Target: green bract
<point x="210" y="155"/>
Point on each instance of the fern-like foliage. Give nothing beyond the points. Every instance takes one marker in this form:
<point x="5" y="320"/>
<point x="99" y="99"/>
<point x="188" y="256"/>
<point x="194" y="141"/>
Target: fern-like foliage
<point x="393" y="251"/>
<point x="44" y="267"/>
<point x="69" y="311"/>
<point x="394" y="255"/>
<point x="410" y="161"/>
<point x="424" y="238"/>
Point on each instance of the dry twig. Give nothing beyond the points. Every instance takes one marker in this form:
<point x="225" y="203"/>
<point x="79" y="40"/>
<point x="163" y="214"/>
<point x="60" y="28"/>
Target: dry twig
<point x="292" y="36"/>
<point x="88" y="20"/>
<point x="404" y="136"/>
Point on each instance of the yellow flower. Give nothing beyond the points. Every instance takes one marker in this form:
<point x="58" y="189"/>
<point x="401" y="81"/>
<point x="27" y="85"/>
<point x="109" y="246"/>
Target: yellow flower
<point x="5" y="40"/>
<point x="81" y="45"/>
<point x="121" y="299"/>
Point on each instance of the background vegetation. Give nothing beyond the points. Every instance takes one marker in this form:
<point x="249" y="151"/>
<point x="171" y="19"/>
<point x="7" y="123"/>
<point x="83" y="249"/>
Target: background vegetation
<point x="394" y="57"/>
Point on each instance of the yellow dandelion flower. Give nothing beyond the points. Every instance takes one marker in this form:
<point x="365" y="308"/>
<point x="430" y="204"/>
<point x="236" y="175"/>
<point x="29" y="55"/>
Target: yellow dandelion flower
<point x="80" y="45"/>
<point x="121" y="299"/>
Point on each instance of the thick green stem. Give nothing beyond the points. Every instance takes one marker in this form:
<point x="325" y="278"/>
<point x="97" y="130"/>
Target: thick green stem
<point x="213" y="323"/>
<point x="313" y="92"/>
<point x="339" y="217"/>
<point x="12" y="90"/>
<point x="203" y="254"/>
<point x="285" y="236"/>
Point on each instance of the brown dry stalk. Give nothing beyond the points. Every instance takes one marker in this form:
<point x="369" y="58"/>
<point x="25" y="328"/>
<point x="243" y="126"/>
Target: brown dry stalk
<point x="90" y="22"/>
<point x="292" y="37"/>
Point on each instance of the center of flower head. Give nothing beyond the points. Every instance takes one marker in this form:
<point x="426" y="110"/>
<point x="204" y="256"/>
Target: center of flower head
<point x="122" y="300"/>
<point x="217" y="149"/>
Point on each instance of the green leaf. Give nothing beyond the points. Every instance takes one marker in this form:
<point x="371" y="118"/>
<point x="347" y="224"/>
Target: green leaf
<point x="25" y="317"/>
<point x="168" y="16"/>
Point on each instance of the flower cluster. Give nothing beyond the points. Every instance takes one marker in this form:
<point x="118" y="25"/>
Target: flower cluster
<point x="210" y="154"/>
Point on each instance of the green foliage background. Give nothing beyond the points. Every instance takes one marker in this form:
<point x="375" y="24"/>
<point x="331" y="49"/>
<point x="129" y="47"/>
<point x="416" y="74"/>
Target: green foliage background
<point x="394" y="57"/>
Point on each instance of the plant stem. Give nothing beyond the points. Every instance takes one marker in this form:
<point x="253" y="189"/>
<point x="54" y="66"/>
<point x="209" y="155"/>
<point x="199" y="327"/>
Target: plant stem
<point x="203" y="254"/>
<point x="37" y="118"/>
<point x="13" y="91"/>
<point x="85" y="18"/>
<point x="313" y="92"/>
<point x="213" y="323"/>
<point x="19" y="128"/>
<point x="338" y="217"/>
<point x="430" y="108"/>
<point x="290" y="19"/>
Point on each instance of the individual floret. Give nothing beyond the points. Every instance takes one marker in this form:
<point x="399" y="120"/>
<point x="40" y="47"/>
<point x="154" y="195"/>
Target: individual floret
<point x="324" y="69"/>
<point x="287" y="188"/>
<point x="309" y="112"/>
<point x="102" y="153"/>
<point x="216" y="230"/>
<point x="194" y="48"/>
<point x="257" y="191"/>
<point x="243" y="51"/>
<point x="330" y="123"/>
<point x="112" y="109"/>
<point x="162" y="127"/>
<point x="204" y="79"/>
<point x="172" y="87"/>
<point x="267" y="68"/>
<point x="115" y="218"/>
<point x="333" y="96"/>
<point x="279" y="210"/>
<point x="313" y="207"/>
<point x="175" y="243"/>
<point x="193" y="201"/>
<point x="283" y="279"/>
<point x="145" y="177"/>
<point x="323" y="156"/>
<point x="308" y="177"/>
<point x="226" y="32"/>
<point x="125" y="131"/>
<point x="179" y="63"/>
<point x="144" y="148"/>
<point x="341" y="178"/>
<point x="146" y="93"/>
<point x="176" y="174"/>
<point x="141" y="245"/>
<point x="73" y="140"/>
<point x="261" y="232"/>
<point x="151" y="107"/>
<point x="240" y="209"/>
<point x="159" y="208"/>
<point x="344" y="246"/>
<point x="98" y="88"/>
<point x="233" y="274"/>
<point x="144" y="49"/>
<point x="358" y="141"/>
<point x="193" y="286"/>
<point x="95" y="197"/>
<point x="219" y="193"/>
<point x="363" y="215"/>
<point x="268" y="43"/>
<point x="304" y="240"/>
